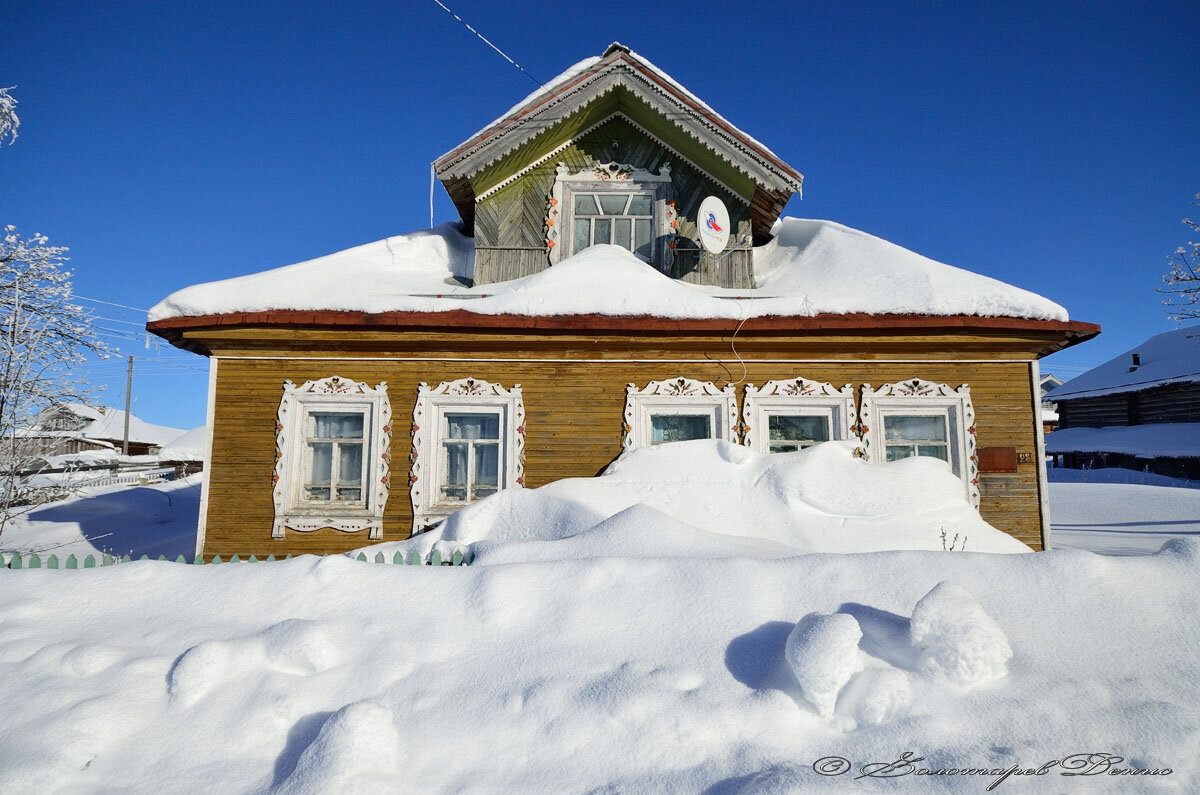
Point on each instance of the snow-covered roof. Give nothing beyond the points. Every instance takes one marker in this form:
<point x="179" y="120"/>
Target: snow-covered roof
<point x="188" y="447"/>
<point x="84" y="411"/>
<point x="112" y="426"/>
<point x="1172" y="357"/>
<point x="1161" y="439"/>
<point x="810" y="267"/>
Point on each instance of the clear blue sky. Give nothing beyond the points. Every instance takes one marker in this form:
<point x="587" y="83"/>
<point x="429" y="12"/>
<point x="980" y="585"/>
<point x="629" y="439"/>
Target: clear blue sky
<point x="1055" y="146"/>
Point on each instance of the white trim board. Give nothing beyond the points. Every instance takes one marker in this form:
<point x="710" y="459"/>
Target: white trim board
<point x="210" y="413"/>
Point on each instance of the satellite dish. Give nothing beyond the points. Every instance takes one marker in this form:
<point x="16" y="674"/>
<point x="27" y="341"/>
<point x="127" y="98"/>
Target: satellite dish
<point x="713" y="224"/>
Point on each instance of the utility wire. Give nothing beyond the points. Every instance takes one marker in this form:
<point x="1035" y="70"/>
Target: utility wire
<point x="110" y="303"/>
<point x="488" y="43"/>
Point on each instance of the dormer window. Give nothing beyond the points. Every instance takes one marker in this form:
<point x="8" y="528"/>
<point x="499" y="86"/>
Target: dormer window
<point x="615" y="204"/>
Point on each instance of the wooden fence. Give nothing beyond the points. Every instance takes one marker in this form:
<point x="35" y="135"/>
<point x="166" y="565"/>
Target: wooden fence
<point x="414" y="558"/>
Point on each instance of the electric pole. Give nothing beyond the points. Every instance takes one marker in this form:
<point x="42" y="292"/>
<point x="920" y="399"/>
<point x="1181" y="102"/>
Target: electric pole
<point x="128" y="392"/>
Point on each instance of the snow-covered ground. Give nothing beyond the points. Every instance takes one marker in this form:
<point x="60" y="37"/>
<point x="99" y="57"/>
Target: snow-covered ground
<point x="157" y="519"/>
<point x="614" y="647"/>
<point x="1120" y="511"/>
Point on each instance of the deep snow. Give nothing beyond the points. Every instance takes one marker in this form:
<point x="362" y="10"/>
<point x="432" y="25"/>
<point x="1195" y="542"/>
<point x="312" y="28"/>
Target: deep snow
<point x="810" y="267"/>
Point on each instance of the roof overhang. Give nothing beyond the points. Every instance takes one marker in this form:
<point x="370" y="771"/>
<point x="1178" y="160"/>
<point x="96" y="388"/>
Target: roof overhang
<point x="1060" y="334"/>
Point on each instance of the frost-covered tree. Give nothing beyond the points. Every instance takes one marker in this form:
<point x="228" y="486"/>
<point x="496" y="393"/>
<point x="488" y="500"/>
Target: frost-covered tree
<point x="44" y="336"/>
<point x="9" y="122"/>
<point x="1183" y="277"/>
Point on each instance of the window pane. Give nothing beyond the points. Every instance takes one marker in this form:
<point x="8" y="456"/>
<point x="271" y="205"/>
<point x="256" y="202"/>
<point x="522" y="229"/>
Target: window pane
<point x="353" y="495"/>
<point x="934" y="451"/>
<point x="929" y="428"/>
<point x="581" y="238"/>
<point x="613" y="203"/>
<point x="320" y="466"/>
<point x="456" y="472"/>
<point x="798" y="428"/>
<point x="472" y="426"/>
<point x="317" y="493"/>
<point x="783" y="448"/>
<point x="896" y="452"/>
<point x="487" y="468"/>
<point x="585" y="204"/>
<point x="679" y="427"/>
<point x="642" y="204"/>
<point x="350" y="464"/>
<point x="641" y="237"/>
<point x="621" y="229"/>
<point x="327" y="425"/>
<point x="602" y="230"/>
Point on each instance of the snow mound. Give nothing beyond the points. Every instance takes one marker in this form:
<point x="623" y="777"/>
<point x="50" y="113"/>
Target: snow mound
<point x="877" y="696"/>
<point x="822" y="653"/>
<point x="356" y="751"/>
<point x="294" y="646"/>
<point x="709" y="498"/>
<point x="188" y="447"/>
<point x="956" y="640"/>
<point x="811" y="267"/>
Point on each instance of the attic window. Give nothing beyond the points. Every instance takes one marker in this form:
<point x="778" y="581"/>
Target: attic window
<point x="615" y="204"/>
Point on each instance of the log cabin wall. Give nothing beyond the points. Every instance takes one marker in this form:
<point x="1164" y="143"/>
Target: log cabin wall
<point x="1170" y="403"/>
<point x="574" y="395"/>
<point x="510" y="232"/>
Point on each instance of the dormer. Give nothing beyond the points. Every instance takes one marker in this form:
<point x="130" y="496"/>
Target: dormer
<point x="613" y="151"/>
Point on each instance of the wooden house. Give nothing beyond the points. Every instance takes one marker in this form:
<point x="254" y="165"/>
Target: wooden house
<point x="1139" y="410"/>
<point x="573" y="314"/>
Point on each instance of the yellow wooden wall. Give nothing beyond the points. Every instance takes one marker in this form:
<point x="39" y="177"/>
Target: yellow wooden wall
<point x="574" y="417"/>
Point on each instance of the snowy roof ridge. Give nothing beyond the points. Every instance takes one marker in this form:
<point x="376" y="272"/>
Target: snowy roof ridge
<point x="811" y="267"/>
<point x="1172" y="357"/>
<point x="618" y="57"/>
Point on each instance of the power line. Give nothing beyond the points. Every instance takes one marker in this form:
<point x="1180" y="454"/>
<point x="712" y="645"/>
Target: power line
<point x="110" y="303"/>
<point x="488" y="43"/>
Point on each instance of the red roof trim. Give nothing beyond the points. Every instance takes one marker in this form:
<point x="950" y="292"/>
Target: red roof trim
<point x="462" y="320"/>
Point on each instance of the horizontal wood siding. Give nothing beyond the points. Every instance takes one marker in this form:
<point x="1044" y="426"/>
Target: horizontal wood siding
<point x="1173" y="403"/>
<point x="512" y="220"/>
<point x="574" y="427"/>
<point x="1094" y="412"/>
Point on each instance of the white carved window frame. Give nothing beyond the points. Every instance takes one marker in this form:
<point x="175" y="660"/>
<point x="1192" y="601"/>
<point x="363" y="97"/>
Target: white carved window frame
<point x="611" y="178"/>
<point x="796" y="396"/>
<point x="678" y="396"/>
<point x="917" y="397"/>
<point x="292" y="511"/>
<point x="469" y="395"/>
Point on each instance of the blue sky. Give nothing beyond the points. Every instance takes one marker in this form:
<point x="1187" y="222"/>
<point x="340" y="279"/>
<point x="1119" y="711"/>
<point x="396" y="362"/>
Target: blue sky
<point x="1051" y="145"/>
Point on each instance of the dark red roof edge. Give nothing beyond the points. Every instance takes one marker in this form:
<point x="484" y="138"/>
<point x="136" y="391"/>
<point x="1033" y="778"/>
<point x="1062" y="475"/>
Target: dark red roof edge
<point x="538" y="102"/>
<point x="461" y="319"/>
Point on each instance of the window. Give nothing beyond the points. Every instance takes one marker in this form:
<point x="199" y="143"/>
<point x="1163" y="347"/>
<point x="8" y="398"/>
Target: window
<point x="333" y="439"/>
<point x="785" y="416"/>
<point x="921" y="418"/>
<point x="678" y="410"/>
<point x="615" y="204"/>
<point x="468" y="443"/>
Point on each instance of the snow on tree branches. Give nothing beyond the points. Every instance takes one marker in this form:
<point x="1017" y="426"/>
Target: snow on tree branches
<point x="1183" y="278"/>
<point x="44" y="336"/>
<point x="9" y="121"/>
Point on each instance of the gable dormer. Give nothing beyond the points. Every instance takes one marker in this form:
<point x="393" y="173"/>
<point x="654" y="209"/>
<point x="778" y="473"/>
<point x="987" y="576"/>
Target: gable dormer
<point x="613" y="151"/>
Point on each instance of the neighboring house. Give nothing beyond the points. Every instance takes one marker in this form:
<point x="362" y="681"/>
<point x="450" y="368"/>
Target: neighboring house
<point x="573" y="313"/>
<point x="1049" y="409"/>
<point x="186" y="453"/>
<point x="1140" y="410"/>
<point x="75" y="428"/>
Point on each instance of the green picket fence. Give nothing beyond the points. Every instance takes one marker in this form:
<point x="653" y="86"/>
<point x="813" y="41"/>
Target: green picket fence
<point x="414" y="558"/>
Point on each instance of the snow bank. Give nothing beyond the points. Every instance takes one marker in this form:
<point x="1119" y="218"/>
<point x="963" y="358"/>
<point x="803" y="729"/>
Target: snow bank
<point x="604" y="675"/>
<point x="822" y="653"/>
<point x="809" y="268"/>
<point x="956" y="639"/>
<point x="1162" y="439"/>
<point x="709" y="498"/>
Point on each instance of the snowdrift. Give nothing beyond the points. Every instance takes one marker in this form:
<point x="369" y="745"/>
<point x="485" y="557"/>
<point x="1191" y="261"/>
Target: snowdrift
<point x="713" y="499"/>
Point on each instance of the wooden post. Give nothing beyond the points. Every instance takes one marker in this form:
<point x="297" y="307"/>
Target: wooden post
<point x="128" y="390"/>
